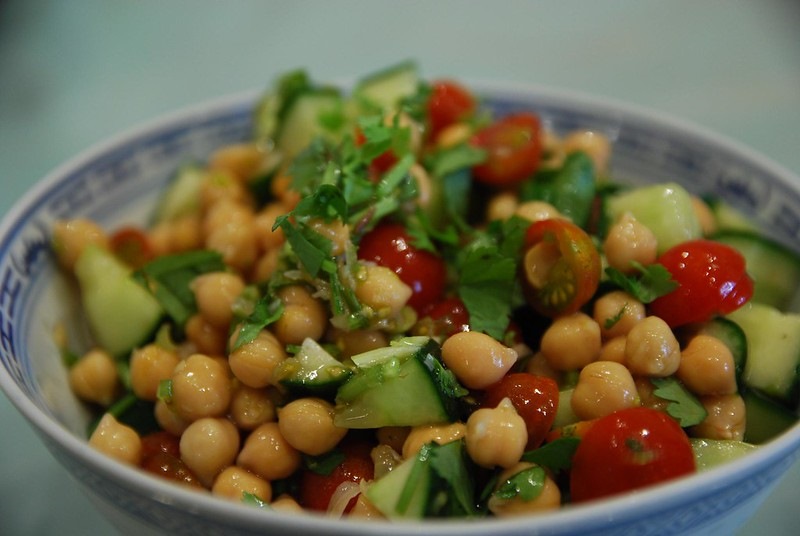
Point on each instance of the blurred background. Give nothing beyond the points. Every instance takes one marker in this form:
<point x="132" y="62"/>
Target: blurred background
<point x="74" y="73"/>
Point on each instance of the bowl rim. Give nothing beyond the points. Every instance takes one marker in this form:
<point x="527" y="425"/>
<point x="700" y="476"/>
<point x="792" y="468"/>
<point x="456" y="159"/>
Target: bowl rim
<point x="586" y="516"/>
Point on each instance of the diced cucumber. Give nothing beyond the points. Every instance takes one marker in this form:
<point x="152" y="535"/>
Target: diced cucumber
<point x="386" y="88"/>
<point x="182" y="196"/>
<point x="271" y="108"/>
<point x="564" y="413"/>
<point x="727" y="331"/>
<point x="775" y="269"/>
<point x="404" y="492"/>
<point x="317" y="112"/>
<point x="766" y="418"/>
<point x="773" y="349"/>
<point x="666" y="209"/>
<point x="710" y="453"/>
<point x="311" y="370"/>
<point x="728" y="218"/>
<point x="121" y="313"/>
<point x="404" y="384"/>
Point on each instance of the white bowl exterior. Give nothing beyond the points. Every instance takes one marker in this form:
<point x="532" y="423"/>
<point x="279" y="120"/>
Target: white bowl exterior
<point x="119" y="181"/>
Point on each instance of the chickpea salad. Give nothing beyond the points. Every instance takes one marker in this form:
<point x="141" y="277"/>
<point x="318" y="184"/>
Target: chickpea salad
<point x="392" y="303"/>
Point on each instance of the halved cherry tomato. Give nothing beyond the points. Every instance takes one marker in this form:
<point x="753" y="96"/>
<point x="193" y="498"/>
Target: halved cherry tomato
<point x="448" y="103"/>
<point x="514" y="150"/>
<point x="712" y="280"/>
<point x="561" y="267"/>
<point x="628" y="450"/>
<point x="534" y="397"/>
<point x="162" y="441"/>
<point x="390" y="245"/>
<point x="132" y="245"/>
<point x="447" y="317"/>
<point x="165" y="465"/>
<point x="317" y="489"/>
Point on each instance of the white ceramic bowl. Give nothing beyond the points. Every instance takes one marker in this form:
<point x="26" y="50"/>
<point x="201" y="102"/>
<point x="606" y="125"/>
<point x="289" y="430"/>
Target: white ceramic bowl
<point x="119" y="181"/>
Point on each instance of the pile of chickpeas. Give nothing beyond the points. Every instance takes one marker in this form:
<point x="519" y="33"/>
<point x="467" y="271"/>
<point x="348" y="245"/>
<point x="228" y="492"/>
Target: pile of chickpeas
<point x="239" y="431"/>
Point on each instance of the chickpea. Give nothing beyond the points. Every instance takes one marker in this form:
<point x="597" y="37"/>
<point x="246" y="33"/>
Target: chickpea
<point x="336" y="231"/>
<point x="233" y="482"/>
<point x="168" y="420"/>
<point x="265" y="265"/>
<point x="205" y="338"/>
<point x="307" y="425"/>
<point x="603" y="388"/>
<point x="548" y="499"/>
<point x="201" y="387"/>
<point x="281" y="188"/>
<point x="174" y="236"/>
<point x="94" y="377"/>
<point x="264" y="223"/>
<point x="496" y="436"/>
<point x="477" y="359"/>
<point x="117" y="440"/>
<point x="384" y="460"/>
<point x="452" y="135"/>
<point x="571" y="342"/>
<point x="286" y="503"/>
<point x="364" y="509"/>
<point x="208" y="446"/>
<point x="707" y="367"/>
<point x="71" y="237"/>
<point x="616" y="313"/>
<point x="358" y="341"/>
<point x="536" y="211"/>
<point x="230" y="230"/>
<point x="613" y="350"/>
<point x="706" y="218"/>
<point x="242" y="160"/>
<point x="253" y="363"/>
<point x="538" y="366"/>
<point x="382" y="290"/>
<point x="727" y="418"/>
<point x="433" y="433"/>
<point x="267" y="453"/>
<point x="220" y="186"/>
<point x="303" y="316"/>
<point x="502" y="206"/>
<point x="393" y="436"/>
<point x="424" y="187"/>
<point x="651" y="349"/>
<point x="594" y="144"/>
<point x="149" y="365"/>
<point x="629" y="241"/>
<point x="215" y="294"/>
<point x="251" y="407"/>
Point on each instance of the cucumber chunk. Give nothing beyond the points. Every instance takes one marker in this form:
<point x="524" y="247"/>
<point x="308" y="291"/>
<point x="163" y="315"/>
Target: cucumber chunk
<point x="773" y="349"/>
<point x="766" y="418"/>
<point x="386" y="88"/>
<point x="404" y="492"/>
<point x="318" y="112"/>
<point x="182" y="196"/>
<point x="710" y="453"/>
<point x="404" y="384"/>
<point x="312" y="370"/>
<point x="121" y="313"/>
<point x="665" y="209"/>
<point x="775" y="269"/>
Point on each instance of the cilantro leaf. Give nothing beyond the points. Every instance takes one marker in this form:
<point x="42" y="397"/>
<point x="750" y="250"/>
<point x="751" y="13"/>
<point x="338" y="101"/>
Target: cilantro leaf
<point x="556" y="455"/>
<point x="526" y="485"/>
<point x="251" y="499"/>
<point x="455" y="484"/>
<point x="654" y="280"/>
<point x="683" y="405"/>
<point x="324" y="464"/>
<point x="455" y="158"/>
<point x="267" y="310"/>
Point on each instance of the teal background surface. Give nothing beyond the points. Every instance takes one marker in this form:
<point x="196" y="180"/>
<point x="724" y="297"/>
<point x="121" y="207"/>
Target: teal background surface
<point x="74" y="73"/>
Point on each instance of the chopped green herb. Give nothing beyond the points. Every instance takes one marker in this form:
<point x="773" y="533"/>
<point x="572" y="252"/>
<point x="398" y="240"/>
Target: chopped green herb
<point x="164" y="391"/>
<point x="525" y="485"/>
<point x="556" y="455"/>
<point x="251" y="499"/>
<point x="325" y="463"/>
<point x="683" y="405"/>
<point x="653" y="281"/>
<point x="612" y="320"/>
<point x="266" y="311"/>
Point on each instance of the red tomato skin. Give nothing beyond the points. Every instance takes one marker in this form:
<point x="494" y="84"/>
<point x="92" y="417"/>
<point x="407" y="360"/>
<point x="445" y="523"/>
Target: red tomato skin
<point x="712" y="280"/>
<point x="132" y="246"/>
<point x="162" y="441"/>
<point x="391" y="246"/>
<point x="449" y="102"/>
<point x="165" y="465"/>
<point x="629" y="450"/>
<point x="534" y="397"/>
<point x="381" y="163"/>
<point x="514" y="150"/>
<point x="580" y="263"/>
<point x="316" y="490"/>
<point x="449" y="316"/>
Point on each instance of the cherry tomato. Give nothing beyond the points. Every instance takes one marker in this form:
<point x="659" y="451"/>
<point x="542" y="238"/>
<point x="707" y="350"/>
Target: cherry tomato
<point x="628" y="450"/>
<point x="534" y="397"/>
<point x="317" y="489"/>
<point x="390" y="245"/>
<point x="165" y="465"/>
<point x="449" y="103"/>
<point x="561" y="267"/>
<point x="712" y="279"/>
<point x="448" y="317"/>
<point x="160" y="442"/>
<point x="514" y="150"/>
<point x="132" y="245"/>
